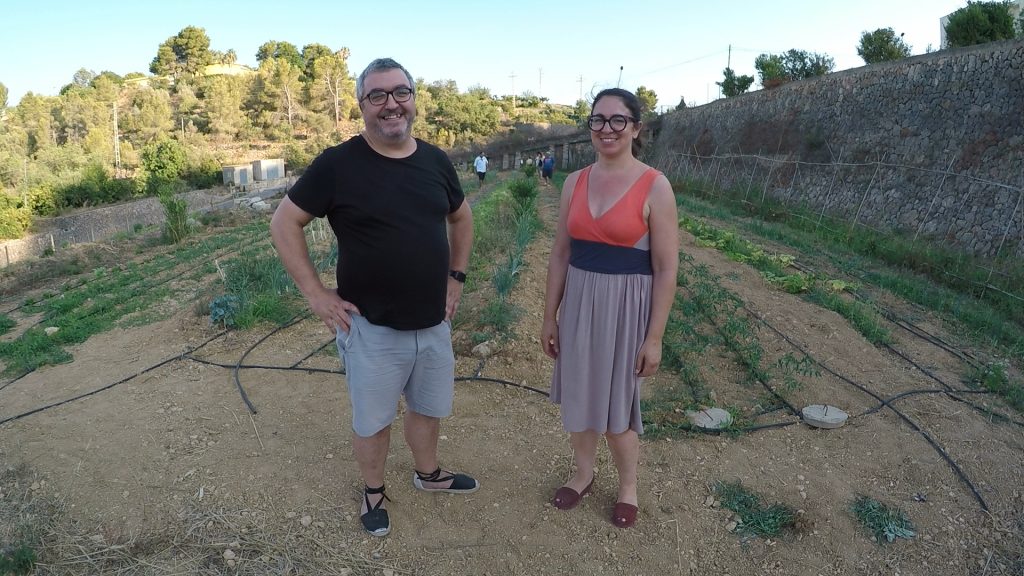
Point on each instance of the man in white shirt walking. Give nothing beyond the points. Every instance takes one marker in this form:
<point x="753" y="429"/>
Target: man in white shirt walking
<point x="480" y="165"/>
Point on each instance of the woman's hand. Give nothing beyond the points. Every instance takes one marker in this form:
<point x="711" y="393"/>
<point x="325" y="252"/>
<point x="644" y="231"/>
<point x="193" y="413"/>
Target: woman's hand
<point x="649" y="358"/>
<point x="549" y="338"/>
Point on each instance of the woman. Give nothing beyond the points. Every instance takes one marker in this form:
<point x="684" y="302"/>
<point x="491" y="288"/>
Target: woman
<point x="611" y="282"/>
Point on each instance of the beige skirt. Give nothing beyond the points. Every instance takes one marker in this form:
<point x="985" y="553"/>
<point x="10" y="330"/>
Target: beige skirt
<point x="602" y="322"/>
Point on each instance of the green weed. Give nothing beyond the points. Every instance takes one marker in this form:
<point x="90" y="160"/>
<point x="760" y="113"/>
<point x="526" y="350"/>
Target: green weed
<point x="756" y="517"/>
<point x="17" y="560"/>
<point x="6" y="324"/>
<point x="884" y="523"/>
<point x="863" y="317"/>
<point x="994" y="377"/>
<point x="30" y="351"/>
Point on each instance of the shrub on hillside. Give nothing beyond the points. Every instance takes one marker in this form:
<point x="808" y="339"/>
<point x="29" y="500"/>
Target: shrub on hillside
<point x="166" y="159"/>
<point x="96" y="187"/>
<point x="296" y="157"/>
<point x="205" y="173"/>
<point x="43" y="200"/>
<point x="14" y="218"/>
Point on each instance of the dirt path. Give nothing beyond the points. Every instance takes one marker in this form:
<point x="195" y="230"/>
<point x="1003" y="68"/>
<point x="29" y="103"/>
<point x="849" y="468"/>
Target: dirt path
<point x="172" y="464"/>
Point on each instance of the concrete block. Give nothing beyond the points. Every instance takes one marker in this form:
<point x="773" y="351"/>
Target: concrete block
<point x="824" y="416"/>
<point x="710" y="418"/>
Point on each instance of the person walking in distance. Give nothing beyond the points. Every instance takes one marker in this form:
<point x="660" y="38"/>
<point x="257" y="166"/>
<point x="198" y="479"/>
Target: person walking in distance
<point x="389" y="199"/>
<point x="610" y="285"/>
<point x="547" y="168"/>
<point x="480" y="165"/>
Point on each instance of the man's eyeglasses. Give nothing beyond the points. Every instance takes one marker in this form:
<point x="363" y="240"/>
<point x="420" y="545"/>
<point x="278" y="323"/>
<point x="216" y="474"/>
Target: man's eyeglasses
<point x="618" y="122"/>
<point x="378" y="97"/>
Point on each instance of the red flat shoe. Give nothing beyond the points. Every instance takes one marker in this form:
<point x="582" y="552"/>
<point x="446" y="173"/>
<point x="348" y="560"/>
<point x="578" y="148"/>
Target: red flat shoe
<point x="566" y="498"/>
<point x="624" y="515"/>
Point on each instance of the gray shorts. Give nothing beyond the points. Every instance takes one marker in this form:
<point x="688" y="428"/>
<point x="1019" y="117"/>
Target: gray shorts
<point x="382" y="363"/>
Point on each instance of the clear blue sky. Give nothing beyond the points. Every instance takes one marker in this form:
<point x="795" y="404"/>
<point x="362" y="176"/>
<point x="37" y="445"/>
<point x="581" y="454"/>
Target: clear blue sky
<point x="675" y="48"/>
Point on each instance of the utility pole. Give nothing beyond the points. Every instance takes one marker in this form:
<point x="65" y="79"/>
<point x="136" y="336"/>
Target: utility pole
<point x="620" y="77"/>
<point x="580" y="81"/>
<point x="117" y="145"/>
<point x="728" y="66"/>
<point x="24" y="192"/>
<point x="513" y="77"/>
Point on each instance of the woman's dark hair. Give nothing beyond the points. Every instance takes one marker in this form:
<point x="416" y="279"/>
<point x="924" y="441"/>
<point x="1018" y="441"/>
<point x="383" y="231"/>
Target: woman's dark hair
<point x="631" y="102"/>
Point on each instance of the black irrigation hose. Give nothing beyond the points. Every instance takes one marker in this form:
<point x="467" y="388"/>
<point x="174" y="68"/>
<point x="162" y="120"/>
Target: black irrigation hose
<point x="916" y="393"/>
<point x="929" y="337"/>
<point x="504" y="382"/>
<point x="260" y="366"/>
<point x="238" y="382"/>
<point x="308" y="356"/>
<point x="109" y="386"/>
<point x="950" y="392"/>
<point x="906" y="324"/>
<point x="945" y="456"/>
<point x="16" y="379"/>
<point x="923" y="334"/>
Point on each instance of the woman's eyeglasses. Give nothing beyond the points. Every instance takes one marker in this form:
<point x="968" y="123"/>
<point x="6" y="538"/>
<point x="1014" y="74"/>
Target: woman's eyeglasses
<point x="618" y="122"/>
<point x="378" y="97"/>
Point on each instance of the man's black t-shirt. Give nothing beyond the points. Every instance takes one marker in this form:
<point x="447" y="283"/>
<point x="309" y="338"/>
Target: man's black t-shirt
<point x="389" y="215"/>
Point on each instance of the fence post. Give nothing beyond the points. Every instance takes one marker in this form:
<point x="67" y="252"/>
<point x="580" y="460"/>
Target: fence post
<point x="878" y="165"/>
<point x="828" y="193"/>
<point x="764" y="191"/>
<point x="792" y="183"/>
<point x="718" y="168"/>
<point x="1006" y="232"/>
<point x="934" y="196"/>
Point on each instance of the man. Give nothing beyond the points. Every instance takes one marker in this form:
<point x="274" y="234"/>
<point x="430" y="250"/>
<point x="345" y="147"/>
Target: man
<point x="547" y="168"/>
<point x="480" y="164"/>
<point x="388" y="198"/>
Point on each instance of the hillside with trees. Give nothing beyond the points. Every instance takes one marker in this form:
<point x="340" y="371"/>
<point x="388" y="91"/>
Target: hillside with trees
<point x="106" y="137"/>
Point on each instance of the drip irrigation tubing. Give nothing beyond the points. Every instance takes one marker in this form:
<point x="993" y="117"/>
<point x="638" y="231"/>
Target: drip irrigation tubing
<point x="310" y="355"/>
<point x="111" y="385"/>
<point x="238" y="382"/>
<point x="915" y="393"/>
<point x="942" y="452"/>
<point x="926" y="336"/>
<point x="952" y="393"/>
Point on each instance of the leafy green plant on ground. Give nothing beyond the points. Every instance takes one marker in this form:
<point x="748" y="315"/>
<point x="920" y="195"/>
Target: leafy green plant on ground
<point x="176" y="226"/>
<point x="6" y="323"/>
<point x="884" y="523"/>
<point x="20" y="559"/>
<point x="756" y="518"/>
<point x="993" y="377"/>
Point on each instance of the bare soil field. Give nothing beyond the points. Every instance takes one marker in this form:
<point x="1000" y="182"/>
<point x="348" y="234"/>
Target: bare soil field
<point x="167" y="472"/>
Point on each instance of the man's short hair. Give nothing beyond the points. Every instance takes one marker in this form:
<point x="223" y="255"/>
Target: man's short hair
<point x="381" y="65"/>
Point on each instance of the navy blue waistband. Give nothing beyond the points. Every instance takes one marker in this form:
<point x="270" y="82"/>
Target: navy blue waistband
<point x="607" y="259"/>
